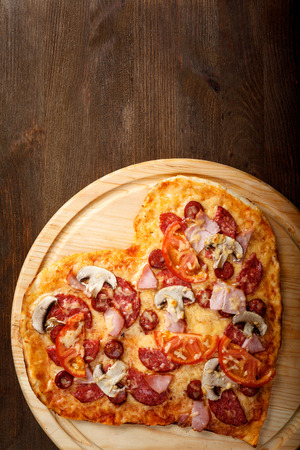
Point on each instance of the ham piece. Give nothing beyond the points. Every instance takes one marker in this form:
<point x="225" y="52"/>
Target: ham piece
<point x="174" y="327"/>
<point x="243" y="239"/>
<point x="253" y="344"/>
<point x="227" y="298"/>
<point x="200" y="230"/>
<point x="147" y="279"/>
<point x="200" y="416"/>
<point x="159" y="383"/>
<point x="114" y="321"/>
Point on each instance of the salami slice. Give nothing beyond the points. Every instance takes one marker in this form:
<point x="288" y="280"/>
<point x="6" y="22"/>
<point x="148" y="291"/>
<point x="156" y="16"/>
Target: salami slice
<point x="55" y="332"/>
<point x="194" y="390"/>
<point x="166" y="219"/>
<point x="148" y="320"/>
<point x="191" y="209"/>
<point x="226" y="272"/>
<point x="228" y="409"/>
<point x="113" y="349"/>
<point x="141" y="390"/>
<point x="257" y="306"/>
<point x="156" y="259"/>
<point x="87" y="393"/>
<point x="104" y="298"/>
<point x="119" y="398"/>
<point x="250" y="275"/>
<point x="127" y="301"/>
<point x="53" y="355"/>
<point x="236" y="335"/>
<point x="248" y="391"/>
<point x="63" y="379"/>
<point x="168" y="279"/>
<point x="91" y="349"/>
<point x="226" y="222"/>
<point x="69" y="305"/>
<point x="154" y="359"/>
<point x="203" y="297"/>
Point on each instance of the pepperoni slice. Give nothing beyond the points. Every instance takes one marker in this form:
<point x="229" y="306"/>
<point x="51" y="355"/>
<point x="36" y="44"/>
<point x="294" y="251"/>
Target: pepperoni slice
<point x="68" y="306"/>
<point x="156" y="259"/>
<point x="236" y="335"/>
<point x="226" y="272"/>
<point x="53" y="355"/>
<point x="248" y="391"/>
<point x="127" y="301"/>
<point x="257" y="306"/>
<point x="166" y="219"/>
<point x="63" y="379"/>
<point x="249" y="277"/>
<point x="155" y="359"/>
<point x="194" y="390"/>
<point x="55" y="332"/>
<point x="168" y="279"/>
<point x="192" y="209"/>
<point x="226" y="222"/>
<point x="103" y="299"/>
<point x="91" y="348"/>
<point x="148" y="320"/>
<point x="225" y="314"/>
<point x="113" y="349"/>
<point x="228" y="409"/>
<point x="119" y="398"/>
<point x="203" y="298"/>
<point x="141" y="390"/>
<point x="87" y="393"/>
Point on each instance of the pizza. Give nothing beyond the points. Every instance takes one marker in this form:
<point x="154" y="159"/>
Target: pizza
<point x="183" y="327"/>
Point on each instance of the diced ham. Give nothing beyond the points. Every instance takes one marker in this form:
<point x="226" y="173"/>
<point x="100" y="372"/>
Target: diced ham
<point x="182" y="419"/>
<point x="87" y="379"/>
<point x="159" y="383"/>
<point x="253" y="344"/>
<point x="72" y="281"/>
<point x="243" y="239"/>
<point x="175" y="327"/>
<point x="147" y="279"/>
<point x="227" y="298"/>
<point x="196" y="237"/>
<point x="206" y="223"/>
<point x="200" y="416"/>
<point x="114" y="321"/>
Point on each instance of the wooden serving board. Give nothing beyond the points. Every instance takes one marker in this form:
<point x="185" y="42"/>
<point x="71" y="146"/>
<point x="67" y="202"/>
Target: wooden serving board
<point x="101" y="216"/>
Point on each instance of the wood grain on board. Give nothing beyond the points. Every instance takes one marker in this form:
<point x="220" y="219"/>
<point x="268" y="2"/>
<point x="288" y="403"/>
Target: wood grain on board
<point x="90" y="86"/>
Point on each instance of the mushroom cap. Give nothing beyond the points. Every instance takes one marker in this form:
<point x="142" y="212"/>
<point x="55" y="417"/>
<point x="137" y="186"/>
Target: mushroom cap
<point x="212" y="378"/>
<point x="223" y="247"/>
<point x="251" y="320"/>
<point x="40" y="312"/>
<point x="173" y="296"/>
<point x="97" y="276"/>
<point x="107" y="382"/>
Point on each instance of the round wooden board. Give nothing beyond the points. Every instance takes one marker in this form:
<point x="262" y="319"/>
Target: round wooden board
<point x="101" y="216"/>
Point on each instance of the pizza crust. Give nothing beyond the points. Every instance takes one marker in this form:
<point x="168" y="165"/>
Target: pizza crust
<point x="170" y="195"/>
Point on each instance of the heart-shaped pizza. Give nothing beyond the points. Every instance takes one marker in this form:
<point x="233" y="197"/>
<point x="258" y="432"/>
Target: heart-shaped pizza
<point x="183" y="327"/>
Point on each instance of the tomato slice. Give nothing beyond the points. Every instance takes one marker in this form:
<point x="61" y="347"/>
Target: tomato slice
<point x="186" y="348"/>
<point x="242" y="367"/>
<point x="180" y="257"/>
<point x="69" y="346"/>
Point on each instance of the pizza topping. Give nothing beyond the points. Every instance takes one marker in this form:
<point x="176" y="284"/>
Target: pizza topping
<point x="191" y="209"/>
<point x="55" y="332"/>
<point x="174" y="296"/>
<point x="148" y="320"/>
<point x="142" y="392"/>
<point x="250" y="275"/>
<point x="194" y="390"/>
<point x="205" y="223"/>
<point x="127" y="301"/>
<point x="235" y="334"/>
<point x="156" y="259"/>
<point x="113" y="349"/>
<point x="226" y="222"/>
<point x="66" y="307"/>
<point x="87" y="393"/>
<point x="253" y="344"/>
<point x="119" y="398"/>
<point x="108" y="382"/>
<point x="181" y="259"/>
<point x="249" y="392"/>
<point x="222" y="247"/>
<point x="95" y="278"/>
<point x="197" y="237"/>
<point x="200" y="416"/>
<point x="252" y="320"/>
<point x="228" y="409"/>
<point x="186" y="348"/>
<point x="147" y="279"/>
<point x="227" y="298"/>
<point x="203" y="298"/>
<point x="243" y="239"/>
<point x="63" y="380"/>
<point x="159" y="383"/>
<point x="53" y="355"/>
<point x="167" y="219"/>
<point x="226" y="272"/>
<point x="114" y="321"/>
<point x="167" y="278"/>
<point x="214" y="378"/>
<point x="179" y="326"/>
<point x="91" y="349"/>
<point x="155" y="359"/>
<point x="257" y="306"/>
<point x="75" y="283"/>
<point x="40" y="313"/>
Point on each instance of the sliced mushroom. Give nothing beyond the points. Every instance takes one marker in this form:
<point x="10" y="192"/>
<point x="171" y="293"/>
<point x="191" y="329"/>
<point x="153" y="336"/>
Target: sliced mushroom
<point x="223" y="246"/>
<point x="251" y="320"/>
<point x="40" y="312"/>
<point x="107" y="382"/>
<point x="212" y="378"/>
<point x="96" y="276"/>
<point x="173" y="296"/>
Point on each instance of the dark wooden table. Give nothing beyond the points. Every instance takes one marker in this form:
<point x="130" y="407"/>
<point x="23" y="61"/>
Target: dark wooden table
<point x="88" y="87"/>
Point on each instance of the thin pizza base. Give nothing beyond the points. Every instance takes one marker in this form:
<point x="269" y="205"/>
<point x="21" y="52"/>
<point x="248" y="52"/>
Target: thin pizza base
<point x="170" y="195"/>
